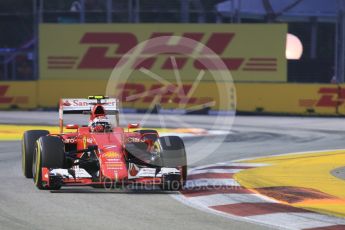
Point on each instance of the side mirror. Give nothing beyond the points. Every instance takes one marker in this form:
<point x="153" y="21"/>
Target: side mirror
<point x="133" y="126"/>
<point x="72" y="126"/>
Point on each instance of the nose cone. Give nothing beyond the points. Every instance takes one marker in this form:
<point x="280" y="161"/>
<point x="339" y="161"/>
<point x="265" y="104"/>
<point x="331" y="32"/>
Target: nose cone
<point x="113" y="165"/>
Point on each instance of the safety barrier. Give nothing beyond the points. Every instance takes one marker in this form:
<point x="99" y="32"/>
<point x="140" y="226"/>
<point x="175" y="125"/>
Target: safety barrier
<point x="21" y="95"/>
<point x="304" y="99"/>
<point x="325" y="99"/>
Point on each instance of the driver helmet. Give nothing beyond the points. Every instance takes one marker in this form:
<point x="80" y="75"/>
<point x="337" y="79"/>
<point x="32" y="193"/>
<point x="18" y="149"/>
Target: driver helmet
<point x="100" y="125"/>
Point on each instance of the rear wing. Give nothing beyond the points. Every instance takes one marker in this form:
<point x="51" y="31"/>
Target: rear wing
<point x="84" y="106"/>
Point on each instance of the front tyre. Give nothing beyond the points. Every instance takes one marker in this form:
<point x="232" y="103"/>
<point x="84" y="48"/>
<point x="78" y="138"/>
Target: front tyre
<point x="173" y="155"/>
<point x="28" y="149"/>
<point x="49" y="153"/>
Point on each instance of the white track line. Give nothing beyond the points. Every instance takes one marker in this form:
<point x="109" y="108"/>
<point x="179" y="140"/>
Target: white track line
<point x="223" y="199"/>
<point x="187" y="202"/>
<point x="298" y="220"/>
<point x="285" y="154"/>
<point x="282" y="220"/>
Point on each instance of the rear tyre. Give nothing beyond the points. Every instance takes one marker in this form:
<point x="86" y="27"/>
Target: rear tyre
<point x="49" y="153"/>
<point x="28" y="149"/>
<point x="173" y="155"/>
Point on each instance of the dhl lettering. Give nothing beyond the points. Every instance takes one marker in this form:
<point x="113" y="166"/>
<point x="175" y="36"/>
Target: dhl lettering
<point x="3" y="98"/>
<point x="152" y="48"/>
<point x="135" y="92"/>
<point x="331" y="97"/>
<point x="96" y="56"/>
<point x="218" y="42"/>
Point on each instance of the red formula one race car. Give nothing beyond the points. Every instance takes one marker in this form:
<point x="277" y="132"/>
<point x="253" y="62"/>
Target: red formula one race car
<point x="102" y="154"/>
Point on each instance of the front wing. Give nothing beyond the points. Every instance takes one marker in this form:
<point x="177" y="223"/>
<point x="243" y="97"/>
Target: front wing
<point x="80" y="177"/>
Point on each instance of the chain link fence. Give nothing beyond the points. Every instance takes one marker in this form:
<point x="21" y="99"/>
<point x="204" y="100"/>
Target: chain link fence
<point x="19" y="20"/>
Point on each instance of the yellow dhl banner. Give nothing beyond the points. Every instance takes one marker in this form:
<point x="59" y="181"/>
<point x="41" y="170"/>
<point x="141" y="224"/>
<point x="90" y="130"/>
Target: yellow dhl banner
<point x="20" y="95"/>
<point x="145" y="95"/>
<point x="327" y="99"/>
<point x="324" y="99"/>
<point x="91" y="51"/>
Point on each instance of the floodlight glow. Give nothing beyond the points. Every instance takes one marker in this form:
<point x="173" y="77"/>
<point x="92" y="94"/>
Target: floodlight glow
<point x="294" y="47"/>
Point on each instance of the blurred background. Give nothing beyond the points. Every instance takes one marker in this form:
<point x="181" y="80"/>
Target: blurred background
<point x="315" y="28"/>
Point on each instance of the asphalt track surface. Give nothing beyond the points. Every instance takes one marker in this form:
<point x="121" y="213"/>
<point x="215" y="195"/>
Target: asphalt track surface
<point x="339" y="173"/>
<point x="22" y="206"/>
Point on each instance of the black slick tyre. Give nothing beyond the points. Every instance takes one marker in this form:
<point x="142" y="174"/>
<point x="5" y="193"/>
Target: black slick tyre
<point x="49" y="153"/>
<point x="28" y="149"/>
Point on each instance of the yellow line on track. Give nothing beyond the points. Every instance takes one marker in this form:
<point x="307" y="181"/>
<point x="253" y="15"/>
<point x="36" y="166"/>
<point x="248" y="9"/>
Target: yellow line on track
<point x="15" y="132"/>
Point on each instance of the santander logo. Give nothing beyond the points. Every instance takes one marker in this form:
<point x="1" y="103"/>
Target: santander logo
<point x="67" y="103"/>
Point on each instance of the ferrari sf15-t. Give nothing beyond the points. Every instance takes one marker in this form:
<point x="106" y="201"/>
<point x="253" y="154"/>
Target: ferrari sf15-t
<point x="102" y="153"/>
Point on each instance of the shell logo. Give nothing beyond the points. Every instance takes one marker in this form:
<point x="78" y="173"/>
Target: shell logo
<point x="112" y="155"/>
<point x="133" y="171"/>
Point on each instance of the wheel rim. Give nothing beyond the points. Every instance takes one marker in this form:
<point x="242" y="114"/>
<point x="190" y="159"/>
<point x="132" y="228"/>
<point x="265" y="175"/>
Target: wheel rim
<point x="35" y="165"/>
